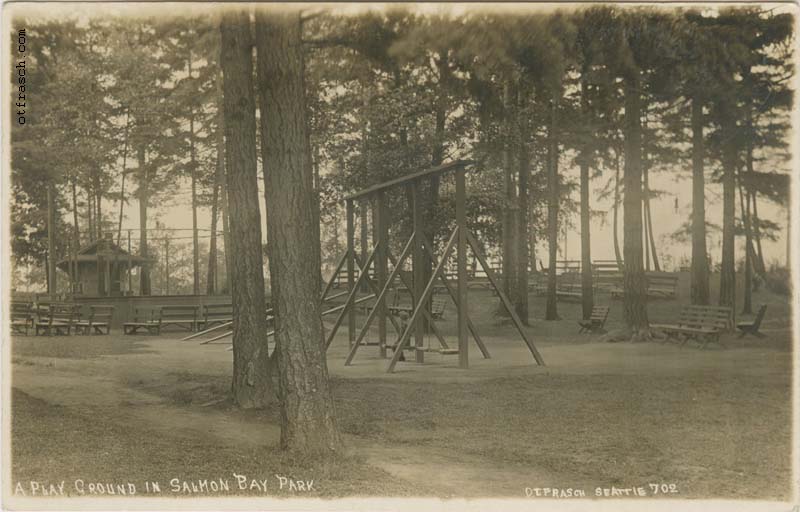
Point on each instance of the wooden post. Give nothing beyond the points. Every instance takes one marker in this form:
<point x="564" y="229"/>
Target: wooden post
<point x="461" y="255"/>
<point x="363" y="211"/>
<point x="351" y="315"/>
<point x="130" y="277"/>
<point x="381" y="222"/>
<point x="418" y="273"/>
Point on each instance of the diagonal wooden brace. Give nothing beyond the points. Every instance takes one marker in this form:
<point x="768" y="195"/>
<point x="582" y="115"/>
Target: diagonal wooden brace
<point x="421" y="303"/>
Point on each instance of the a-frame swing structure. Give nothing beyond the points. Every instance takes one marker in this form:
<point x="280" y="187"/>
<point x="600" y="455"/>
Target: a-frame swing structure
<point x="418" y="248"/>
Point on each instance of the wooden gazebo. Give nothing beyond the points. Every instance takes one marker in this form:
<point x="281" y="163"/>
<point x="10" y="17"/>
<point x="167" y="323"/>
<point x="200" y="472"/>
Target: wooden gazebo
<point x="100" y="269"/>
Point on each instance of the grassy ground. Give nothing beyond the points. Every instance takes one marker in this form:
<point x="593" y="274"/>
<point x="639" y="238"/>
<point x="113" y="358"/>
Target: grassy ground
<point x="715" y="423"/>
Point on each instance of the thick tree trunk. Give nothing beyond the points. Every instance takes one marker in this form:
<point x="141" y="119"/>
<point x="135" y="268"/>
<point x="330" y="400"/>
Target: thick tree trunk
<point x="307" y="411"/>
<point x="744" y="205"/>
<point x="252" y="386"/>
<point x="587" y="295"/>
<point x="144" y="270"/>
<point x="509" y="218"/>
<point x="617" y="251"/>
<point x="727" y="288"/>
<point x="651" y="239"/>
<point x="634" y="285"/>
<point x="700" y="271"/>
<point x="521" y="297"/>
<point x="551" y="307"/>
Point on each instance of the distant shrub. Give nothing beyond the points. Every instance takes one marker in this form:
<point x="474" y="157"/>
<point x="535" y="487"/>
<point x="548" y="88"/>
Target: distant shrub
<point x="779" y="281"/>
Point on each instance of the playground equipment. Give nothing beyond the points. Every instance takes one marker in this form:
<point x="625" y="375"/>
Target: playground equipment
<point x="420" y="285"/>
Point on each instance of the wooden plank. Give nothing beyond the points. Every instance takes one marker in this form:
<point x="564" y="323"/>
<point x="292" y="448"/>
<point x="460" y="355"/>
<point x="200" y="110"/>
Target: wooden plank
<point x="201" y="333"/>
<point x="428" y="173"/>
<point x="490" y="274"/>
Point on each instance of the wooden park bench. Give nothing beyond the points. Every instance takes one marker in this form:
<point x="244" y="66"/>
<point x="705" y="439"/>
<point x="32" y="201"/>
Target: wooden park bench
<point x="21" y="317"/>
<point x="147" y="318"/>
<point x="752" y="327"/>
<point x="59" y="319"/>
<point x="606" y="275"/>
<point x="701" y="323"/>
<point x="99" y="319"/>
<point x="662" y="285"/>
<point x="184" y="316"/>
<point x="217" y="314"/>
<point x="596" y="321"/>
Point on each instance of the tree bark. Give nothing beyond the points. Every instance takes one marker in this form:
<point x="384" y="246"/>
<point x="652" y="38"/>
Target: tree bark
<point x="700" y="271"/>
<point x="587" y="295"/>
<point x="144" y="270"/>
<point x="727" y="288"/>
<point x="252" y="386"/>
<point x="307" y="410"/>
<point x="617" y="252"/>
<point x="509" y="217"/>
<point x="521" y="297"/>
<point x="634" y="285"/>
<point x="744" y="204"/>
<point x="651" y="240"/>
<point x="551" y="307"/>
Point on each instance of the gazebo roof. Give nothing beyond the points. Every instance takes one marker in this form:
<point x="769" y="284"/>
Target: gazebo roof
<point x="103" y="247"/>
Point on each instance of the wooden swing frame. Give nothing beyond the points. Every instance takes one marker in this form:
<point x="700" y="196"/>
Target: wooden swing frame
<point x="419" y="248"/>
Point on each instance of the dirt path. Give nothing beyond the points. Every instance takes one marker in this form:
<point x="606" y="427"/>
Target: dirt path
<point x="143" y="388"/>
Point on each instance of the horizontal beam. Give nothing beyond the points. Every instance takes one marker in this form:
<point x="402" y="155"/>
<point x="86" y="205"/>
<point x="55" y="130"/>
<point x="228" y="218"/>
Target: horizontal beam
<point x="435" y="171"/>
